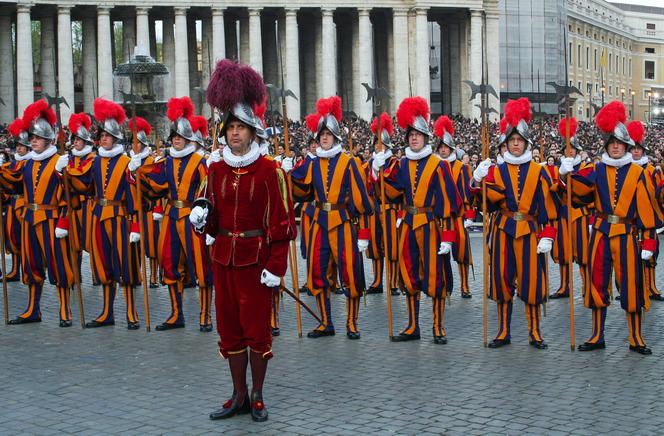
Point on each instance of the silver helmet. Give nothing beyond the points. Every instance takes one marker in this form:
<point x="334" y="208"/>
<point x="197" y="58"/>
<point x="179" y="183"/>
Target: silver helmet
<point x="40" y="127"/>
<point x="621" y="133"/>
<point x="520" y="129"/>
<point x="385" y="138"/>
<point x="112" y="127"/>
<point x="83" y="133"/>
<point x="23" y="139"/>
<point x="448" y="140"/>
<point x="330" y="123"/>
<point x="419" y="124"/>
<point x="243" y="113"/>
<point x="143" y="138"/>
<point x="182" y="127"/>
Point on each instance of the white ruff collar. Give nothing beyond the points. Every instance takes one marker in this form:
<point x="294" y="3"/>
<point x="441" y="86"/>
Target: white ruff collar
<point x="50" y="151"/>
<point x="200" y="152"/>
<point x="117" y="150"/>
<point x="620" y="162"/>
<point x="143" y="154"/>
<point x="241" y="161"/>
<point x="388" y="154"/>
<point x="425" y="152"/>
<point x="527" y="156"/>
<point x="328" y="154"/>
<point x="83" y="152"/>
<point x="18" y="157"/>
<point x="264" y="148"/>
<point x="451" y="158"/>
<point x="182" y="153"/>
<point x="499" y="159"/>
<point x="311" y="155"/>
<point x="641" y="162"/>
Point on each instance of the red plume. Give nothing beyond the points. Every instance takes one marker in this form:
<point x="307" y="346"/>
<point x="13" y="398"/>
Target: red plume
<point x="503" y="125"/>
<point x="78" y="120"/>
<point x="385" y="124"/>
<point x="562" y="127"/>
<point x="260" y="109"/>
<point x="443" y="124"/>
<point x="517" y="110"/>
<point x="141" y="124"/>
<point x="232" y="83"/>
<point x="610" y="115"/>
<point x="179" y="108"/>
<point x="105" y="109"/>
<point x="39" y="109"/>
<point x="331" y="105"/>
<point x="410" y="108"/>
<point x="636" y="131"/>
<point x="311" y="121"/>
<point x="17" y="126"/>
<point x="199" y="123"/>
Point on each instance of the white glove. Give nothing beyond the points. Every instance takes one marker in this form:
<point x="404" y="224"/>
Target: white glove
<point x="445" y="247"/>
<point x="544" y="245"/>
<point x="214" y="157"/>
<point x="467" y="223"/>
<point x="209" y="240"/>
<point x="482" y="170"/>
<point x="62" y="162"/>
<point x="62" y="233"/>
<point x="566" y="165"/>
<point x="378" y="161"/>
<point x="362" y="244"/>
<point x="134" y="237"/>
<point x="287" y="164"/>
<point x="197" y="216"/>
<point x="269" y="279"/>
<point x="660" y="230"/>
<point x="134" y="163"/>
<point x="399" y="220"/>
<point x="2" y="159"/>
<point x="157" y="216"/>
<point x="646" y="254"/>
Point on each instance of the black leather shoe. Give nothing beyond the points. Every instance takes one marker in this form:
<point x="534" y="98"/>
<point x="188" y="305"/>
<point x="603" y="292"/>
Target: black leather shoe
<point x="440" y="340"/>
<point x="375" y="290"/>
<point x="590" y="346"/>
<point x="403" y="337"/>
<point x="558" y="295"/>
<point x="466" y="295"/>
<point x="13" y="278"/>
<point x="205" y="328"/>
<point x="395" y="291"/>
<point x="276" y="332"/>
<point x="95" y="324"/>
<point x="657" y="297"/>
<point x="320" y="333"/>
<point x="540" y="345"/>
<point x="353" y="335"/>
<point x="154" y="285"/>
<point x="258" y="409"/>
<point x="133" y="325"/>
<point x="338" y="291"/>
<point x="65" y="323"/>
<point x="497" y="343"/>
<point x="19" y="320"/>
<point x="231" y="408"/>
<point x="168" y="326"/>
<point x="640" y="349"/>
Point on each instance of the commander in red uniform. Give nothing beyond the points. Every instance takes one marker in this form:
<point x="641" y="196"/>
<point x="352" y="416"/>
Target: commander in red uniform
<point x="247" y="209"/>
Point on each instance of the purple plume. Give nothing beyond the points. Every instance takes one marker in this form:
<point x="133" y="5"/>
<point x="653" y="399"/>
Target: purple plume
<point x="254" y="87"/>
<point x="232" y="83"/>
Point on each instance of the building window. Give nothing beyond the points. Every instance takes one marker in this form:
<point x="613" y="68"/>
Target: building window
<point x="623" y="66"/>
<point x="570" y="54"/>
<point x="610" y="90"/>
<point x="595" y="59"/>
<point x="587" y="58"/>
<point x="650" y="26"/>
<point x="578" y="55"/>
<point x="578" y="85"/>
<point x="649" y="70"/>
<point x="630" y="68"/>
<point x="610" y="62"/>
<point x="650" y="50"/>
<point x="616" y="64"/>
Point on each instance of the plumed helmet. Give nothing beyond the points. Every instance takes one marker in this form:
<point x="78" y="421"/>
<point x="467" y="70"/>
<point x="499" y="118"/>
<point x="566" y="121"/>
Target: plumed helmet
<point x="41" y="120"/>
<point x="413" y="113"/>
<point x="142" y="129"/>
<point x="386" y="129"/>
<point x="562" y="131"/>
<point x="110" y="117"/>
<point x="259" y="113"/>
<point x="199" y="125"/>
<point x="517" y="116"/>
<point x="329" y="116"/>
<point x="444" y="129"/>
<point x="637" y="132"/>
<point x="19" y="131"/>
<point x="179" y="111"/>
<point x="502" y="126"/>
<point x="79" y="126"/>
<point x="611" y="122"/>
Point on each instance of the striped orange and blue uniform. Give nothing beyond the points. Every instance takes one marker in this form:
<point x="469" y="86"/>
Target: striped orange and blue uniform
<point x="80" y="228"/>
<point x="15" y="203"/>
<point x="431" y="202"/>
<point x="623" y="202"/>
<point x="521" y="196"/>
<point x="654" y="178"/>
<point x="41" y="251"/>
<point x="339" y="195"/>
<point x="182" y="251"/>
<point x="112" y="257"/>
<point x="461" y="250"/>
<point x="150" y="230"/>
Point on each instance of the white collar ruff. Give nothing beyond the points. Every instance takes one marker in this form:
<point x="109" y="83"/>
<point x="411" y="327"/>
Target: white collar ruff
<point x="527" y="156"/>
<point x="328" y="154"/>
<point x="451" y="158"/>
<point x="18" y="157"/>
<point x="182" y="153"/>
<point x="310" y="155"/>
<point x="425" y="152"/>
<point x="620" y="162"/>
<point x="200" y="152"/>
<point x="499" y="159"/>
<point x="241" y="161"/>
<point x="641" y="162"/>
<point x="143" y="154"/>
<point x="264" y="148"/>
<point x="577" y="160"/>
<point x="83" y="152"/>
<point x="50" y="151"/>
<point x="117" y="150"/>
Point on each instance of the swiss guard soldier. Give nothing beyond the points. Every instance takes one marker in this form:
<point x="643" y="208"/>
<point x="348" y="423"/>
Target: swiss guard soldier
<point x="622" y="199"/>
<point x="334" y="183"/>
<point x="248" y="210"/>
<point x="519" y="190"/>
<point x="43" y="223"/>
<point x="181" y="250"/>
<point x="425" y="186"/>
<point x="461" y="174"/>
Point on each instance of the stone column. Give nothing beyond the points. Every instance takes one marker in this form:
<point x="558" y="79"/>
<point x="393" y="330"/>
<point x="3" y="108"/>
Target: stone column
<point x="493" y="62"/>
<point x="143" y="29"/>
<point x="207" y="61"/>
<point x="400" y="56"/>
<point x="153" y="38"/>
<point x="168" y="51"/>
<point x="182" y="56"/>
<point x="328" y="55"/>
<point x="364" y="61"/>
<point x="65" y="62"/>
<point x="128" y="37"/>
<point x="292" y="63"/>
<point x="421" y="73"/>
<point x="47" y="72"/>
<point x="476" y="55"/>
<point x="89" y="63"/>
<point x="25" y="91"/>
<point x="255" y="43"/>
<point x="7" y="73"/>
<point x="104" y="54"/>
<point x="218" y="35"/>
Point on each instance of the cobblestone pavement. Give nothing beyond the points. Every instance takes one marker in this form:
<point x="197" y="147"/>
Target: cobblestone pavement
<point x="112" y="380"/>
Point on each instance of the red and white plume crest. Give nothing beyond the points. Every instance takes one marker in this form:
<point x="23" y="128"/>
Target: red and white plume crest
<point x="260" y="109"/>
<point x="78" y="120"/>
<point x="17" y="127"/>
<point x="181" y="107"/>
<point x="141" y="124"/>
<point x="610" y="115"/>
<point x="503" y="125"/>
<point x="562" y="127"/>
<point x="386" y="124"/>
<point x="104" y="109"/>
<point x="199" y="123"/>
<point x="443" y="124"/>
<point x="517" y="110"/>
<point x="311" y="121"/>
<point x="232" y="83"/>
<point x="637" y="131"/>
<point x="329" y="106"/>
<point x="410" y="108"/>
<point x="39" y="109"/>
